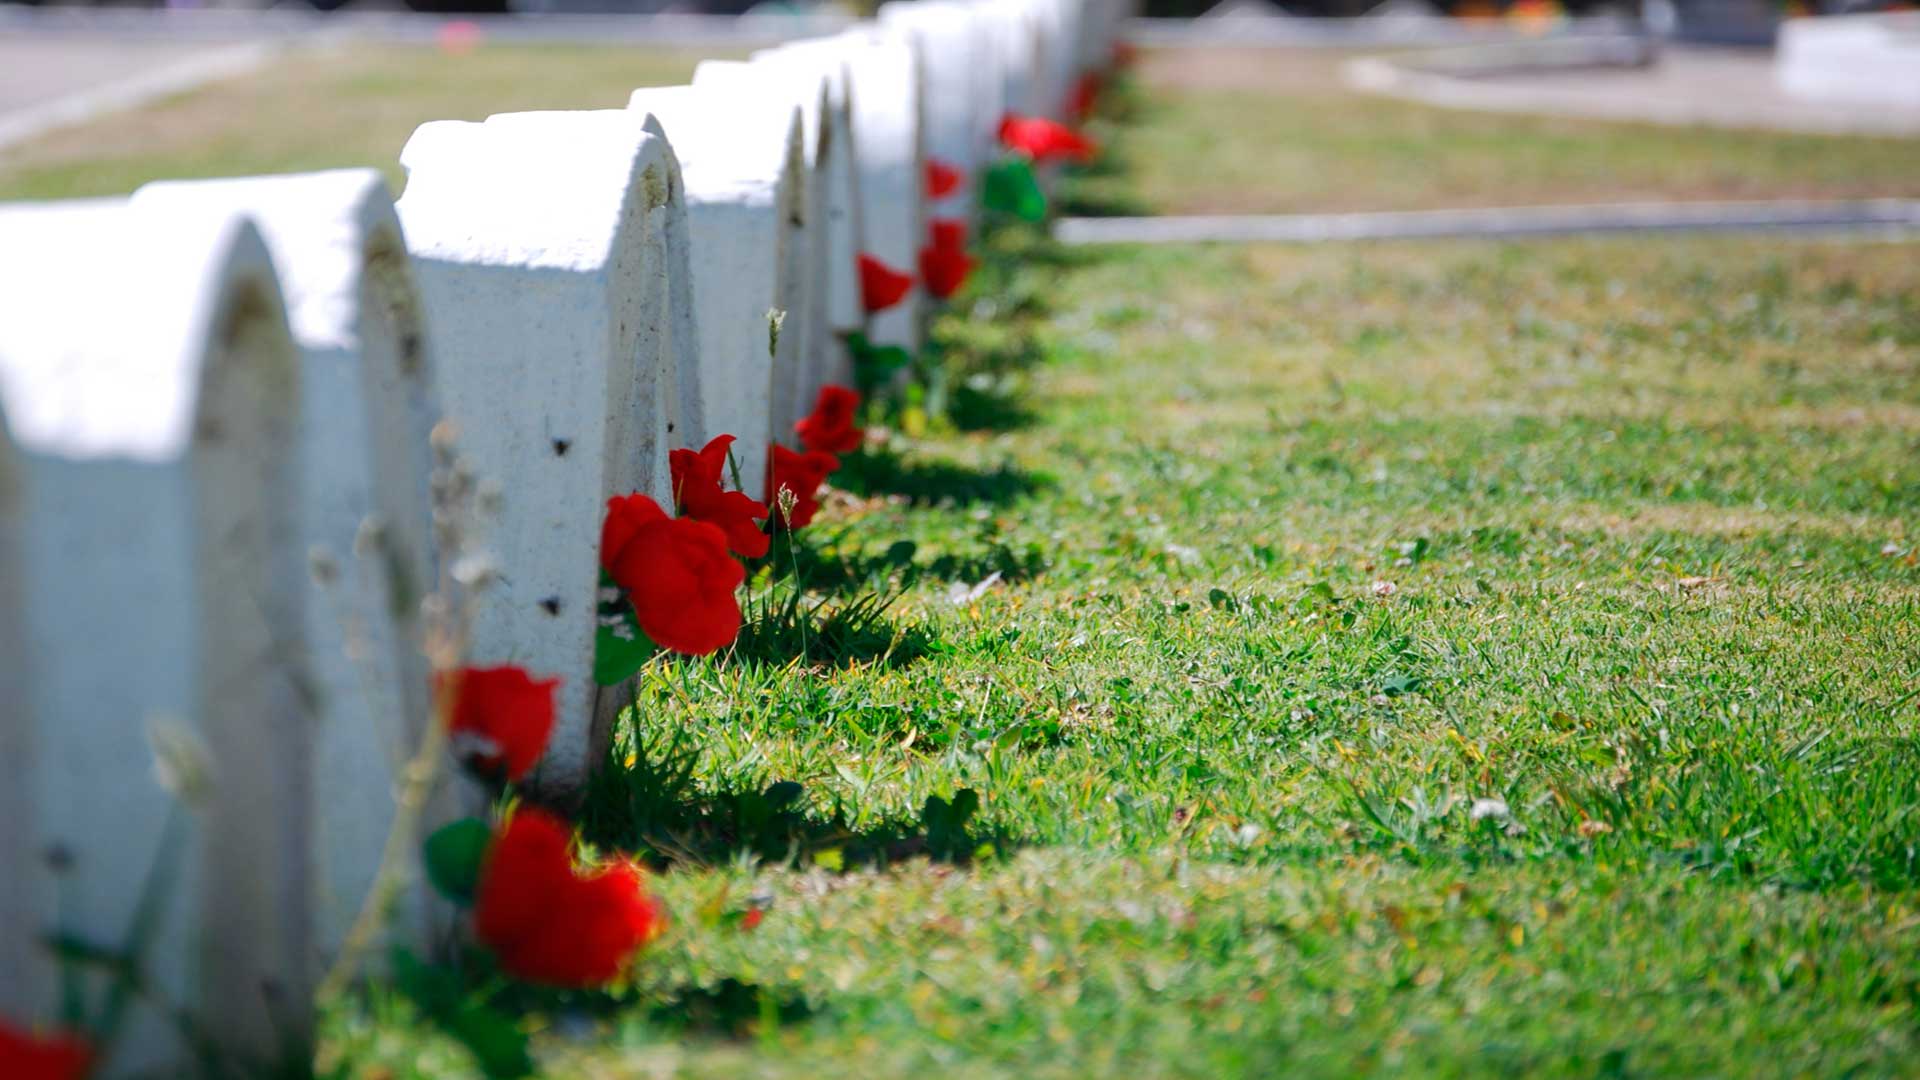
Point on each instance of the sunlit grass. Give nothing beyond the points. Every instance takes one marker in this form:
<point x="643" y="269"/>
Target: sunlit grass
<point x="324" y="109"/>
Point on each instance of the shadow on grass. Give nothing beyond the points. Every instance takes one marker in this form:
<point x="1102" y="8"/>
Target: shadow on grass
<point x="988" y="408"/>
<point x="647" y="801"/>
<point x="834" y="566"/>
<point x="1100" y="196"/>
<point x="788" y="627"/>
<point x="873" y="472"/>
<point x="730" y="1009"/>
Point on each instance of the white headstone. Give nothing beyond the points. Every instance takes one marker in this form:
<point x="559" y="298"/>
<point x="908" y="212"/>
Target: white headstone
<point x="367" y="408"/>
<point x="828" y="304"/>
<point x="961" y="91"/>
<point x="19" y="952"/>
<point x="884" y="69"/>
<point x="1015" y="33"/>
<point x="747" y="212"/>
<point x="151" y="388"/>
<point x="550" y="249"/>
<point x="837" y="173"/>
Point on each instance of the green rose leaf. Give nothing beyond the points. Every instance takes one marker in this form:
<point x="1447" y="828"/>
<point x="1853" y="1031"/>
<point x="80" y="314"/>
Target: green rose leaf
<point x="620" y="647"/>
<point x="453" y="856"/>
<point x="1011" y="187"/>
<point x="874" y="365"/>
<point x="496" y="1041"/>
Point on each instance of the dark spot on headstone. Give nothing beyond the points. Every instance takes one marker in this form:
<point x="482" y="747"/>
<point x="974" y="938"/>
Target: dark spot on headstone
<point x="561" y="446"/>
<point x="669" y="427"/>
<point x="60" y="858"/>
<point x="551" y="605"/>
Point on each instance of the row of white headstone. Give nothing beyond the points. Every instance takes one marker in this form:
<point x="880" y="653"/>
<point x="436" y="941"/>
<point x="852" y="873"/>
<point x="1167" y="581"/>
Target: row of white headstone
<point x="220" y="505"/>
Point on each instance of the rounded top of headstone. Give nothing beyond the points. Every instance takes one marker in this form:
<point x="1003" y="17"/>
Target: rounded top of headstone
<point x="771" y="83"/>
<point x="723" y="138"/>
<point x="532" y="189"/>
<point x="322" y="229"/>
<point x="109" y="314"/>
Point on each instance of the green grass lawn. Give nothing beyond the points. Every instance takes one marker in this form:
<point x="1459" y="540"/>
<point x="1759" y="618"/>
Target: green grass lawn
<point x="1260" y="130"/>
<point x="1428" y="659"/>
<point x="1442" y="659"/>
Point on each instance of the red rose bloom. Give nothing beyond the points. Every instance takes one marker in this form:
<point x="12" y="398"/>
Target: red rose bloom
<point x="948" y="233"/>
<point x="942" y="179"/>
<point x="698" y="487"/>
<point x="24" y="1056"/>
<point x="1086" y="91"/>
<point x="944" y="263"/>
<point x="1044" y="140"/>
<point x="801" y="474"/>
<point x="626" y="515"/>
<point x="881" y="286"/>
<point x="547" y="922"/>
<point x="500" y="719"/>
<point x="829" y="429"/>
<point x="678" y="576"/>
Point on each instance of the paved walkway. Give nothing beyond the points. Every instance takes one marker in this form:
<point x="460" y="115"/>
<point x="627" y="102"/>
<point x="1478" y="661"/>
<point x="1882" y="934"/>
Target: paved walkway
<point x="51" y="81"/>
<point x="1683" y="87"/>
<point x="1885" y="216"/>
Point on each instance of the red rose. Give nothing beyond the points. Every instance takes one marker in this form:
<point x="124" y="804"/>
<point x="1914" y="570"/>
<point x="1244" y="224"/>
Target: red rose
<point x="500" y="719"/>
<point x="942" y="179"/>
<point x="678" y="576"/>
<point x="699" y="488"/>
<point x="1044" y="140"/>
<point x="58" y="1056"/>
<point x="548" y="923"/>
<point x="881" y="286"/>
<point x="801" y="475"/>
<point x="948" y="233"/>
<point x="1086" y="91"/>
<point x="829" y="429"/>
<point x="626" y="515"/>
<point x="944" y="263"/>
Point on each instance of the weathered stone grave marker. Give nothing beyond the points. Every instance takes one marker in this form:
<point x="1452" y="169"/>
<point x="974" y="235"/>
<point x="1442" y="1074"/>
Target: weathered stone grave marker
<point x="835" y="169"/>
<point x="551" y="253"/>
<point x="367" y="408"/>
<point x="961" y="88"/>
<point x="828" y="296"/>
<point x="747" y="215"/>
<point x="151" y="388"/>
<point x="883" y="70"/>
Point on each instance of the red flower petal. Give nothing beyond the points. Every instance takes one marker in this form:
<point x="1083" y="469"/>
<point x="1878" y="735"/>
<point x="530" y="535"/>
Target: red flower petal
<point x="547" y="922"/>
<point x="626" y="515"/>
<point x="948" y="233"/>
<point x="942" y="179"/>
<point x="1044" y="140"/>
<point x="56" y="1056"/>
<point x="500" y="718"/>
<point x="1086" y="91"/>
<point x="881" y="286"/>
<point x="699" y="490"/>
<point x="944" y="270"/>
<point x="829" y="429"/>
<point x="801" y="474"/>
<point x="681" y="581"/>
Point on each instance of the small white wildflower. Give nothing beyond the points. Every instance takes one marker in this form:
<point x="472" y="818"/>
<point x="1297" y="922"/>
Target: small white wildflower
<point x="1486" y="808"/>
<point x="1385" y="588"/>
